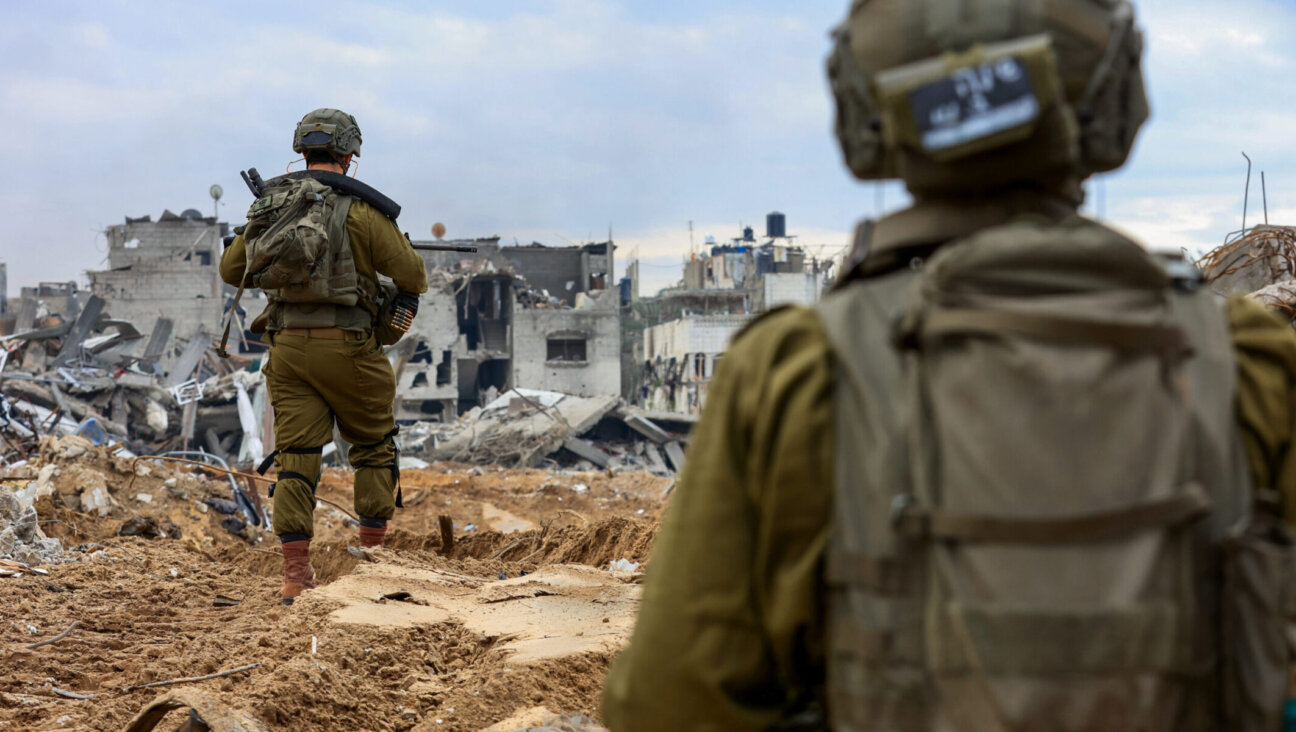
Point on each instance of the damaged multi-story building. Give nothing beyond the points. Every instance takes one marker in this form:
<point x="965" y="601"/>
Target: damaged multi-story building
<point x="722" y="290"/>
<point x="169" y="270"/>
<point x="529" y="316"/>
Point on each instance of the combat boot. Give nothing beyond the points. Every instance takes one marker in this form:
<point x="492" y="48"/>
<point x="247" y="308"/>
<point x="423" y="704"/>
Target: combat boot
<point x="372" y="532"/>
<point x="299" y="575"/>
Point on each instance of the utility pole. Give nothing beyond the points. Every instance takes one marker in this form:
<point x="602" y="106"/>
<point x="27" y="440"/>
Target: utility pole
<point x="216" y="192"/>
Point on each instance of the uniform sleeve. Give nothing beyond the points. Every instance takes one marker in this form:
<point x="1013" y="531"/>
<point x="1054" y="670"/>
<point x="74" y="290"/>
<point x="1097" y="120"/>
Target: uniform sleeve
<point x="233" y="262"/>
<point x="390" y="251"/>
<point x="729" y="635"/>
<point x="1265" y="348"/>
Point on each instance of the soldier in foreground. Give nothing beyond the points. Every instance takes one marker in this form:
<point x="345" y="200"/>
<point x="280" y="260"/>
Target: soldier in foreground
<point x="1014" y="472"/>
<point x="317" y="252"/>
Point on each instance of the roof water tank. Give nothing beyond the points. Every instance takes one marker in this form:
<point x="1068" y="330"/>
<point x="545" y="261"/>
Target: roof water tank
<point x="775" y="225"/>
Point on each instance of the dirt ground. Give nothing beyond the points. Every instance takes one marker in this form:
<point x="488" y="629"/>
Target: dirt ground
<point x="515" y="625"/>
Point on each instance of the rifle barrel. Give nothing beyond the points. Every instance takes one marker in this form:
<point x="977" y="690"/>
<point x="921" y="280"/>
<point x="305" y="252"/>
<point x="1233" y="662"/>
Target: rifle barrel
<point x="443" y="248"/>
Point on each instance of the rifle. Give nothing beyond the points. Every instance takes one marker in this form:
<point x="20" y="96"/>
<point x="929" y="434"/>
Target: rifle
<point x="388" y="207"/>
<point x="441" y="247"/>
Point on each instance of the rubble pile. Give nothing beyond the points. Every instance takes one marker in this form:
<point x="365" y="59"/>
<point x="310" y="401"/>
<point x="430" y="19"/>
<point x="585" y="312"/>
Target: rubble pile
<point x="21" y="539"/>
<point x="102" y="379"/>
<point x="1260" y="263"/>
<point x="531" y="428"/>
<point x="509" y="626"/>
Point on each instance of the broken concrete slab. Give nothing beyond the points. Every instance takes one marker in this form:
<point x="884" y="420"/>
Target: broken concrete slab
<point x="156" y="347"/>
<point x="644" y="426"/>
<point x="654" y="458"/>
<point x="496" y="436"/>
<point x="85" y="324"/>
<point x="675" y="454"/>
<point x="189" y="360"/>
<point x="588" y="451"/>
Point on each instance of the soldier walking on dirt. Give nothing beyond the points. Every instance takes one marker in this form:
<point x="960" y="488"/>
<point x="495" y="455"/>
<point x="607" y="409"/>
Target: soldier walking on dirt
<point x="317" y="252"/>
<point x="1014" y="472"/>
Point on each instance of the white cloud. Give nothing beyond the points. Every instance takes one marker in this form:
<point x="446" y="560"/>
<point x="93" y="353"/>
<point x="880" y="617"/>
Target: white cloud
<point x="93" y="35"/>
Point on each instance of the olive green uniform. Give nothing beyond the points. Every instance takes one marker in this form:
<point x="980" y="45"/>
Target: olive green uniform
<point x="731" y="632"/>
<point x="315" y="381"/>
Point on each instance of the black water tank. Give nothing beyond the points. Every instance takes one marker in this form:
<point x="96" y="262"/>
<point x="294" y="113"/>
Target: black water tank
<point x="748" y="234"/>
<point x="775" y="224"/>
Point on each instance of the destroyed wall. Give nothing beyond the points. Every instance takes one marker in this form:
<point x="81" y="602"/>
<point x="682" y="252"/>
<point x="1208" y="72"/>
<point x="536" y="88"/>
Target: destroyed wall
<point x="48" y="298"/>
<point x="560" y="272"/>
<point x="570" y="351"/>
<point x="427" y="380"/>
<point x="563" y="272"/>
<point x="473" y="340"/>
<point x="488" y="249"/>
<point x="682" y="356"/>
<point x="146" y="292"/>
<point x="166" y="268"/>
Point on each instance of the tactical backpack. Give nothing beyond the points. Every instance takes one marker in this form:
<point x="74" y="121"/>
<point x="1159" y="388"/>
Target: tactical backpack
<point x="1042" y="513"/>
<point x="298" y="248"/>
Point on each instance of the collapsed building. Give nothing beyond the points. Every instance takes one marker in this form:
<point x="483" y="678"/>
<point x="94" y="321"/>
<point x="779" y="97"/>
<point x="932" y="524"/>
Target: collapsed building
<point x="169" y="269"/>
<point x="722" y="290"/>
<point x="131" y="354"/>
<point x="505" y="317"/>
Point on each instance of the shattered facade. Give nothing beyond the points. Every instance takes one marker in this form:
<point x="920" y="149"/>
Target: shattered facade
<point x="35" y="304"/>
<point x="534" y="317"/>
<point x="691" y="325"/>
<point x="168" y="268"/>
<point x="575" y="351"/>
<point x="682" y="356"/>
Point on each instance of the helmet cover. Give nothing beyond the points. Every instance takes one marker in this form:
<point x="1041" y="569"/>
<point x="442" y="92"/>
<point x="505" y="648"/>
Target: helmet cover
<point x="984" y="93"/>
<point x="330" y="130"/>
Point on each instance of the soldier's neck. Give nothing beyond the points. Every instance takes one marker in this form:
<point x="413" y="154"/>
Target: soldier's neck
<point x="330" y="167"/>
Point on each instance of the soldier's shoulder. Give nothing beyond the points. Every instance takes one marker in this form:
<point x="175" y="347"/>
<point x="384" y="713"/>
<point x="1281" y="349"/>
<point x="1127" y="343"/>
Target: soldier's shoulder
<point x="773" y="334"/>
<point x="367" y="214"/>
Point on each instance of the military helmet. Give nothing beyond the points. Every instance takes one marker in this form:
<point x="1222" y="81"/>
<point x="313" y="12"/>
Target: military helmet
<point x="330" y="130"/>
<point x="978" y="94"/>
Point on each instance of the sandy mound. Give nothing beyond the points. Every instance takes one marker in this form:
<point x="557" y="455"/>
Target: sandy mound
<point x="395" y="640"/>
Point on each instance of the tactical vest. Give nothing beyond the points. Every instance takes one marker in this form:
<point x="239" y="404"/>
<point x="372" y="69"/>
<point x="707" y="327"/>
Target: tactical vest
<point x="332" y="293"/>
<point x="1040" y="495"/>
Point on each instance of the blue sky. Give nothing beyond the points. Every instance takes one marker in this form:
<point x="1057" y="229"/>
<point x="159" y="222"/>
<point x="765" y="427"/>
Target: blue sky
<point x="552" y="121"/>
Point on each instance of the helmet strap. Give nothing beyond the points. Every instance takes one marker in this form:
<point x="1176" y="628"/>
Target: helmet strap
<point x="288" y="168"/>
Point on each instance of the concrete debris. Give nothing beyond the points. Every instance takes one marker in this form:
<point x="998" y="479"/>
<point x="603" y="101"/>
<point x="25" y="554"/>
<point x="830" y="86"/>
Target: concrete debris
<point x="21" y="538"/>
<point x="1259" y="263"/>
<point x="675" y="454"/>
<point x="530" y="428"/>
<point x="87" y="376"/>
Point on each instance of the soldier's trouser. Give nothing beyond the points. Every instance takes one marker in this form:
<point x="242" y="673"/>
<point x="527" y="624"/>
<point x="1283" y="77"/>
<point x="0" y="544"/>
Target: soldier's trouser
<point x="312" y="383"/>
